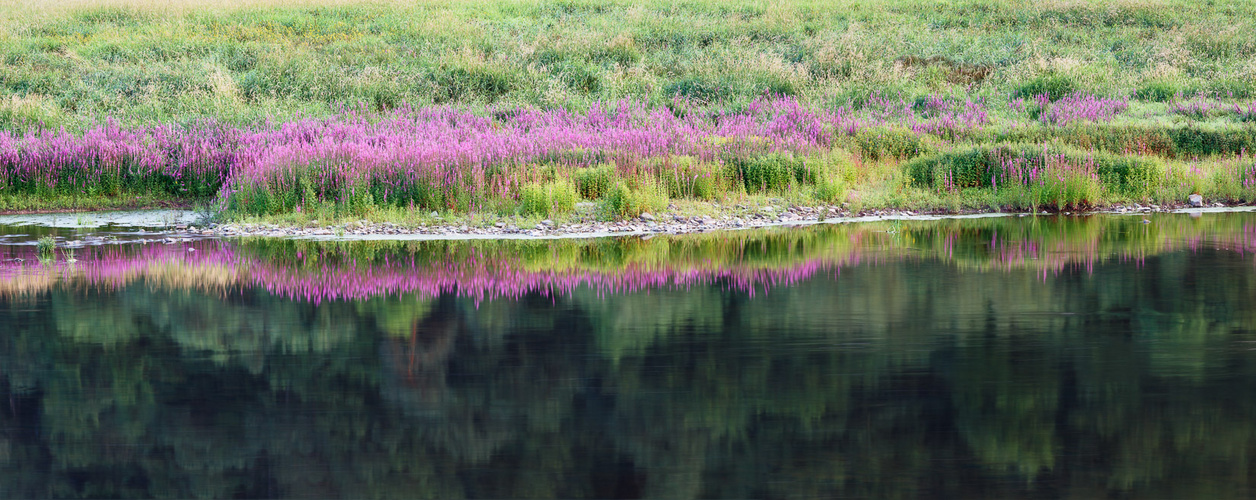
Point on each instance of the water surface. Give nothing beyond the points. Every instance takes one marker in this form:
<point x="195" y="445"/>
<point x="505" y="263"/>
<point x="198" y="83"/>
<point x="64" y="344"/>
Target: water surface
<point x="1000" y="357"/>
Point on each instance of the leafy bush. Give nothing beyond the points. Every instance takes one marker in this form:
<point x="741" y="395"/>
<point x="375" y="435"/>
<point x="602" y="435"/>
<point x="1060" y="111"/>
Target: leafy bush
<point x="769" y="172"/>
<point x="689" y="177"/>
<point x="829" y="189"/>
<point x="1055" y="86"/>
<point x="1158" y="91"/>
<point x="890" y="142"/>
<point x="472" y="82"/>
<point x="547" y="199"/>
<point x="1029" y="164"/>
<point x="697" y="89"/>
<point x="594" y="182"/>
<point x="624" y="202"/>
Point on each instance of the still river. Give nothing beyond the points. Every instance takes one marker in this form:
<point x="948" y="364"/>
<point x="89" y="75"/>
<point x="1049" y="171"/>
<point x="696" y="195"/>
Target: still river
<point x="1009" y="357"/>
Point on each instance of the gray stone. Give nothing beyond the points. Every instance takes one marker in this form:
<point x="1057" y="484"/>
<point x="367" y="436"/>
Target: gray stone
<point x="1195" y="200"/>
<point x="647" y="217"/>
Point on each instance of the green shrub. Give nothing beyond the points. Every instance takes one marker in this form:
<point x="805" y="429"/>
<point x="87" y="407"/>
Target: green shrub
<point x="470" y="83"/>
<point x="1192" y="142"/>
<point x="624" y="202"/>
<point x="579" y="77"/>
<point x="1173" y="142"/>
<point x="1233" y="88"/>
<point x="1134" y="176"/>
<point x="689" y="177"/>
<point x="764" y="173"/>
<point x="1008" y="164"/>
<point x="890" y="142"/>
<point x="594" y="182"/>
<point x="829" y="189"/>
<point x="551" y="198"/>
<point x="1054" y="85"/>
<point x="1158" y="91"/>
<point x="697" y="89"/>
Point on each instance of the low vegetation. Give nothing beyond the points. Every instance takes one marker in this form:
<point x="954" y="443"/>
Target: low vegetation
<point x="531" y="107"/>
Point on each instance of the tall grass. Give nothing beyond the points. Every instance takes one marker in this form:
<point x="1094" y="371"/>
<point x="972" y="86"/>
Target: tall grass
<point x="270" y="106"/>
<point x="143" y="61"/>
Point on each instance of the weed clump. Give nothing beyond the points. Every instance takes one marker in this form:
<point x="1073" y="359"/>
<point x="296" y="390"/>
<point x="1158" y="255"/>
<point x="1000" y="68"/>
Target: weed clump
<point x="549" y="199"/>
<point x="46" y="249"/>
<point x="1053" y="85"/>
<point x="625" y="202"/>
<point x="594" y="182"/>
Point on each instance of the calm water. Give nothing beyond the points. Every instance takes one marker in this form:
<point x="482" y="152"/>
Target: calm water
<point x="999" y="358"/>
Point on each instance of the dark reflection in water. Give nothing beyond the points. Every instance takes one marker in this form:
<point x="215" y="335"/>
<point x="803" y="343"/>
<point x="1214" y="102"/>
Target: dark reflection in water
<point x="1030" y="358"/>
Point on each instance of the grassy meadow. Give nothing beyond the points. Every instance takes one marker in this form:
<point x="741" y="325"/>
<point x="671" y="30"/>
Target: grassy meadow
<point x="528" y="107"/>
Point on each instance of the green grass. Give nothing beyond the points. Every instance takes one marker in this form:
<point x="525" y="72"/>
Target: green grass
<point x="143" y="62"/>
<point x="147" y="61"/>
<point x="11" y="203"/>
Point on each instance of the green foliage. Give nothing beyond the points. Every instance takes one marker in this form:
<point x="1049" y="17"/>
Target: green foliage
<point x="1077" y="174"/>
<point x="624" y="202"/>
<point x="46" y="248"/>
<point x="829" y="189"/>
<point x="697" y="89"/>
<point x="551" y="198"/>
<point x="594" y="182"/>
<point x="879" y="143"/>
<point x="460" y="83"/>
<point x="689" y="177"/>
<point x="768" y="173"/>
<point x="1159" y="90"/>
<point x="19" y="115"/>
<point x="1055" y="86"/>
<point x="1233" y="88"/>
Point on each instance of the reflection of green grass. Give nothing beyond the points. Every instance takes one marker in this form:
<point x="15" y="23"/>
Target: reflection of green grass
<point x="999" y="242"/>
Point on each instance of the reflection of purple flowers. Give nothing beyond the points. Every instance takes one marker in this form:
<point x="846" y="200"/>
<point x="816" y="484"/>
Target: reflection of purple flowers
<point x="322" y="274"/>
<point x="219" y="266"/>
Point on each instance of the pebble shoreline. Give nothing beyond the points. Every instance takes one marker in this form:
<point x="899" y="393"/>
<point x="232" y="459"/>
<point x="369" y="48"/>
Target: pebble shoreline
<point x="664" y="223"/>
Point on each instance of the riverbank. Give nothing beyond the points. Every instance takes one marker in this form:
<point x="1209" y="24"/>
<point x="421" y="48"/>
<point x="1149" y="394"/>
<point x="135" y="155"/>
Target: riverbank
<point x="584" y="222"/>
<point x="666" y="222"/>
<point x="961" y="127"/>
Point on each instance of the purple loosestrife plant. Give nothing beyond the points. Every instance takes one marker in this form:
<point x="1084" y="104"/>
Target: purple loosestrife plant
<point x="435" y="157"/>
<point x="1245" y="113"/>
<point x="1079" y="108"/>
<point x="1197" y="109"/>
